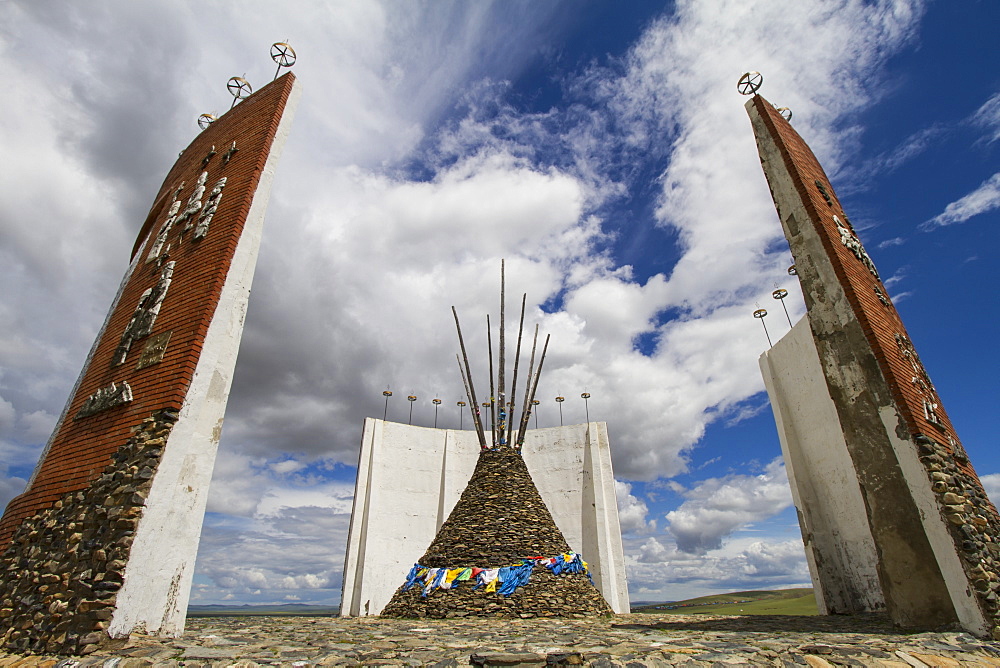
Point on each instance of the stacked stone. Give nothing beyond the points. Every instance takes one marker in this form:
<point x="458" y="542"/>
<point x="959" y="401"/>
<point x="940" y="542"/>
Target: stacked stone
<point x="64" y="566"/>
<point x="499" y="520"/>
<point x="972" y="519"/>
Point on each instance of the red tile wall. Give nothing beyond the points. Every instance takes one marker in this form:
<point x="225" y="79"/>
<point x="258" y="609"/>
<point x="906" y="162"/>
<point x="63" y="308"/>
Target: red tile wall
<point x="880" y="323"/>
<point x="82" y="448"/>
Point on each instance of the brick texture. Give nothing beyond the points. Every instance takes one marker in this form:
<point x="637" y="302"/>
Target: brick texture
<point x="880" y="321"/>
<point x="80" y="449"/>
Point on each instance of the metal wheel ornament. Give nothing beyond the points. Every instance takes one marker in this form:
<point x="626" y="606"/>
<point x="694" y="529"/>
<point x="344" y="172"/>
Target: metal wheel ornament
<point x="205" y="120"/>
<point x="780" y="295"/>
<point x="283" y="54"/>
<point x="749" y="83"/>
<point x="792" y="271"/>
<point x="760" y="313"/>
<point x="785" y="112"/>
<point x="239" y="88"/>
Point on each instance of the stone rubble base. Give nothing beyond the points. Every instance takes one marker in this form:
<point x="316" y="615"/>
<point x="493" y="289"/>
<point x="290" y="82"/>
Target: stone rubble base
<point x="633" y="641"/>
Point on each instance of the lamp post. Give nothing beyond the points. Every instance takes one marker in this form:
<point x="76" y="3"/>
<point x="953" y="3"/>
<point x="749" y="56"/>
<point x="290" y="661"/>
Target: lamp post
<point x="436" y="402"/>
<point x="411" y="399"/>
<point x="759" y="314"/>
<point x="586" y="396"/>
<point x="780" y="295"/>
<point x="385" y="411"/>
<point x="535" y="402"/>
<point x="461" y="414"/>
<point x="559" y="401"/>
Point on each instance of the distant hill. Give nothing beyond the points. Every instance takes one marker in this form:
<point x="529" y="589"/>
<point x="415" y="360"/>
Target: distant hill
<point x="286" y="610"/>
<point x="800" y="601"/>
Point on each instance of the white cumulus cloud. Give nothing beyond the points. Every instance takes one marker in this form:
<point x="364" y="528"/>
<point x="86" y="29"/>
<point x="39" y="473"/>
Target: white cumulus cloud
<point x="718" y="506"/>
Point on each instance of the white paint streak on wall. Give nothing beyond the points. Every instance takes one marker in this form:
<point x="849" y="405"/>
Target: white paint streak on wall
<point x="157" y="586"/>
<point x="410" y="478"/>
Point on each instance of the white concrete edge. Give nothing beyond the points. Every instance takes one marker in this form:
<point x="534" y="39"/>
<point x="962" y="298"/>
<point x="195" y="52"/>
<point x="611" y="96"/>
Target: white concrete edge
<point x="768" y="374"/>
<point x="160" y="568"/>
<point x="614" y="578"/>
<point x="372" y="495"/>
<point x="86" y="365"/>
<point x="950" y="564"/>
<point x="354" y="558"/>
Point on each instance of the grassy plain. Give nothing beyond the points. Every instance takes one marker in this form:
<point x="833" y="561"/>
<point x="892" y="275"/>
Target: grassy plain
<point x="777" y="602"/>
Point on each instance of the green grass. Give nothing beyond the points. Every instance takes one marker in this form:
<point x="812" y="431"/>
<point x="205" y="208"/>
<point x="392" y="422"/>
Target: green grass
<point x="291" y="610"/>
<point x="778" y="602"/>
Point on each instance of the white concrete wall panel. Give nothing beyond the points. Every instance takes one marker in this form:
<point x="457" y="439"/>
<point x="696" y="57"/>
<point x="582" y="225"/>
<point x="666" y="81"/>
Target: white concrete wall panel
<point x="839" y="546"/>
<point x="410" y="478"/>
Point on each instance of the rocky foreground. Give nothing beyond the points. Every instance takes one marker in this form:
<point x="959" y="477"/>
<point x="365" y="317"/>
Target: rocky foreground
<point x="634" y="641"/>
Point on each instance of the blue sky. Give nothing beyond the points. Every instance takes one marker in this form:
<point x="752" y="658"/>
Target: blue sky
<point x="601" y="148"/>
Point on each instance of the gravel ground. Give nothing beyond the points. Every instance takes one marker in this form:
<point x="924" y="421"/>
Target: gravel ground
<point x="630" y="641"/>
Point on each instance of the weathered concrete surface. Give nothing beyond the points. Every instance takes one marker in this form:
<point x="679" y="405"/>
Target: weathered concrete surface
<point x="840" y="551"/>
<point x="935" y="567"/>
<point x="410" y="478"/>
<point x="637" y="641"/>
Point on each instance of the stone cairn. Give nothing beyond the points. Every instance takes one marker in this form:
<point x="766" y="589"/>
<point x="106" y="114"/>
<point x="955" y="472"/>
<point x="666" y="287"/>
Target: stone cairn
<point x="500" y="520"/>
<point x="63" y="605"/>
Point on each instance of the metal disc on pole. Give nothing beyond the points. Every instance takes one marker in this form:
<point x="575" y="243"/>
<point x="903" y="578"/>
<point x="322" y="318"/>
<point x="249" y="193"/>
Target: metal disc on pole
<point x="283" y="54"/>
<point x="760" y="314"/>
<point x="750" y="83"/>
<point x="780" y="295"/>
<point x="386" y="394"/>
<point x="239" y="88"/>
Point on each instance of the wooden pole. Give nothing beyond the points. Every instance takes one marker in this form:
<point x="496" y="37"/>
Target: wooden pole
<point x="517" y="360"/>
<point x="538" y="374"/>
<point x="493" y="401"/>
<point x="502" y="388"/>
<point x="526" y="408"/>
<point x="472" y="387"/>
<point x="474" y="409"/>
